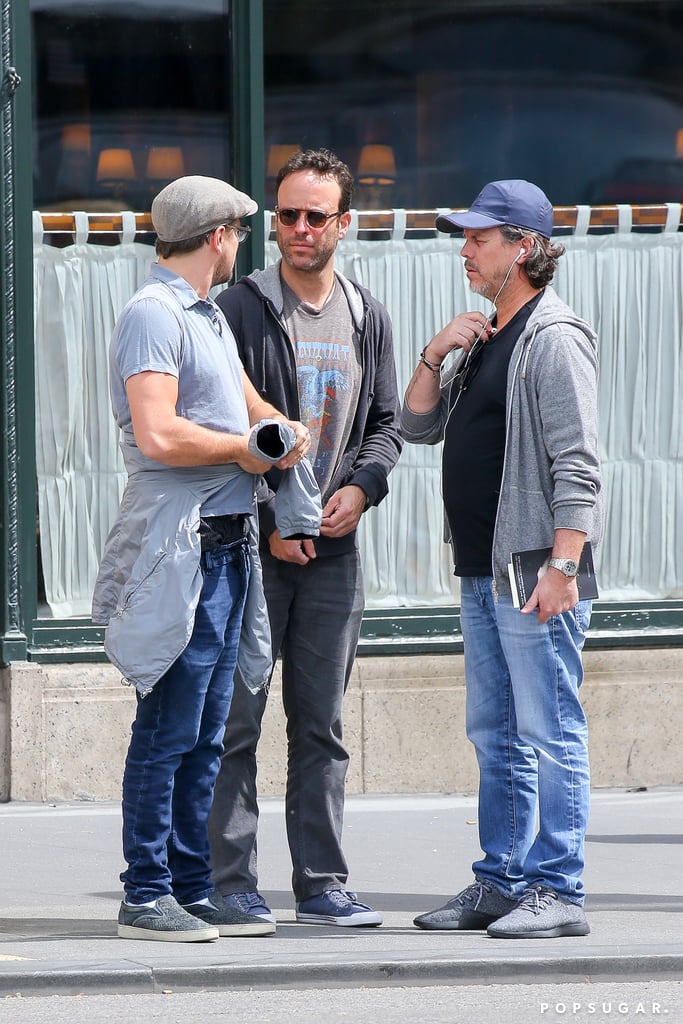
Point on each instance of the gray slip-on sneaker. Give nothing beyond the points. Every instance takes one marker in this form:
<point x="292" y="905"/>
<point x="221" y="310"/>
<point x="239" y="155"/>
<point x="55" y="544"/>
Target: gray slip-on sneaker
<point x="166" y="921"/>
<point x="541" y="914"/>
<point x="473" y="909"/>
<point x="229" y="919"/>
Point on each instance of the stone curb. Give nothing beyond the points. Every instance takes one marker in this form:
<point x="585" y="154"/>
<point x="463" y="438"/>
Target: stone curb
<point x="127" y="976"/>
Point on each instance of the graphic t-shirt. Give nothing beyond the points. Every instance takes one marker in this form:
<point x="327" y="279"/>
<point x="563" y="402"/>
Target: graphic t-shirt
<point x="326" y="349"/>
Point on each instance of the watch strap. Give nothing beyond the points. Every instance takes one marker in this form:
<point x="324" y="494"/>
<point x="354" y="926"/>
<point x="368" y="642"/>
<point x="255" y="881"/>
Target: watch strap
<point x="567" y="566"/>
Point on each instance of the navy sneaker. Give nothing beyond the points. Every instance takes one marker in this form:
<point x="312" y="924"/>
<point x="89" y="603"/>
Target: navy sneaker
<point x="336" y="906"/>
<point x="251" y="903"/>
<point x="166" y="921"/>
<point x="228" y="919"/>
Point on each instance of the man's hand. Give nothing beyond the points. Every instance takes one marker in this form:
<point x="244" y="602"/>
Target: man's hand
<point x="553" y="594"/>
<point x="298" y="551"/>
<point x="556" y="593"/>
<point x="296" y="454"/>
<point x="422" y="393"/>
<point x="248" y="462"/>
<point x="342" y="511"/>
<point x="302" y="445"/>
<point x="461" y="332"/>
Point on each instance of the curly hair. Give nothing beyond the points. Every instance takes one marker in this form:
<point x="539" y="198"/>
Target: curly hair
<point x="542" y="260"/>
<point x="326" y="164"/>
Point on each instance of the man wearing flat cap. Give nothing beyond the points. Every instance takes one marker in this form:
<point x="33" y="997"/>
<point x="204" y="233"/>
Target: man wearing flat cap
<point x="175" y="572"/>
<point x="517" y="414"/>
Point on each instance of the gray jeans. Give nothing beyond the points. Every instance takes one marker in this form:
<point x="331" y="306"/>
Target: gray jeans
<point x="315" y="615"/>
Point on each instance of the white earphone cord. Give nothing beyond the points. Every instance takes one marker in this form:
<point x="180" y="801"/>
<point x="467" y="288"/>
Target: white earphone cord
<point x="475" y="344"/>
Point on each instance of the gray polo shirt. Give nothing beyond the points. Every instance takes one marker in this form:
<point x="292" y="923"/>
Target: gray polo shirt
<point x="167" y="328"/>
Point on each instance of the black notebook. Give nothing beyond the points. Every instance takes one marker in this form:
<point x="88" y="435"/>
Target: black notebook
<point x="526" y="568"/>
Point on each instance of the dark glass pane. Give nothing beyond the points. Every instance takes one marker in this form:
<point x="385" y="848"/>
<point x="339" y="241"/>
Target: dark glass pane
<point x="584" y="98"/>
<point x="127" y="94"/>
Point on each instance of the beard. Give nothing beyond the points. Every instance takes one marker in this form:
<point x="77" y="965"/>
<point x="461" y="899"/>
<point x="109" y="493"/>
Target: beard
<point x="313" y="259"/>
<point x="488" y="289"/>
<point x="223" y="271"/>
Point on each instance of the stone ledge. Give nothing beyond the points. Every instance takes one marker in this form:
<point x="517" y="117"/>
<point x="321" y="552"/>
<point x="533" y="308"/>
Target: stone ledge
<point x="64" y="728"/>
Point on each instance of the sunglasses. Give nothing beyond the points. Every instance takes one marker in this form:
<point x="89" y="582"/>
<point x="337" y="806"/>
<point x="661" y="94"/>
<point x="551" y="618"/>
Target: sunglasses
<point x="315" y="219"/>
<point x="470" y="365"/>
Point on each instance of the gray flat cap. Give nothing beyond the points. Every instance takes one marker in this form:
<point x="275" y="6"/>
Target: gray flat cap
<point x="192" y="205"/>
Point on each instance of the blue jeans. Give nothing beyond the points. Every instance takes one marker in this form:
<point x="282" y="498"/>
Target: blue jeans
<point x="315" y="613"/>
<point x="529" y="731"/>
<point x="176" y="744"/>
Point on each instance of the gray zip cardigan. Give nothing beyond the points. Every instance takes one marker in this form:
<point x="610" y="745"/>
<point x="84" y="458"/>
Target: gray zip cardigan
<point x="149" y="579"/>
<point x="551" y="470"/>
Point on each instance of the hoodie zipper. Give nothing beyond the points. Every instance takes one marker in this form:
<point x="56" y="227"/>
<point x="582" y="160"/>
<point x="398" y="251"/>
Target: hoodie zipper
<point x="521" y="369"/>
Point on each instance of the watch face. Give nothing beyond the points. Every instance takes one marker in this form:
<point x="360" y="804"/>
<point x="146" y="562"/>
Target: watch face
<point x="566" y="565"/>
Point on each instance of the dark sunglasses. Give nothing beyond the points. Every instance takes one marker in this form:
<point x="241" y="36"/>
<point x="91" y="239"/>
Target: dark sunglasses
<point x="315" y="219"/>
<point x="469" y="366"/>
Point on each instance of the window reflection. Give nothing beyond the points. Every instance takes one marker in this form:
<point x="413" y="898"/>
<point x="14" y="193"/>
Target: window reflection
<point x="584" y="98"/>
<point x="127" y="94"/>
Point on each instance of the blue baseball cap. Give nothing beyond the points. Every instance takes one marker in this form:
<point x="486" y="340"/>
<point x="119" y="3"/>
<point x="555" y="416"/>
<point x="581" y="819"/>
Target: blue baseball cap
<point x="514" y="201"/>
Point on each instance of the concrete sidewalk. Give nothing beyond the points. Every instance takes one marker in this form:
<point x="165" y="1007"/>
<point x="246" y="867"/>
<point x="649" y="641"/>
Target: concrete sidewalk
<point x="60" y="895"/>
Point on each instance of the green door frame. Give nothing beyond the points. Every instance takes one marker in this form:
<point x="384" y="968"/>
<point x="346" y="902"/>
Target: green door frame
<point x="246" y="53"/>
<point x="18" y="590"/>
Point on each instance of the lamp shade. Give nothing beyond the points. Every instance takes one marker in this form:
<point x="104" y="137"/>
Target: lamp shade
<point x="115" y="165"/>
<point x="76" y="136"/>
<point x="278" y="155"/>
<point x="165" y="163"/>
<point x="376" y="165"/>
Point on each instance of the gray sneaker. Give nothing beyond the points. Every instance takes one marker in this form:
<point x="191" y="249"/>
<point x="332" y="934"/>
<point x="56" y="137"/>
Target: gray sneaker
<point x="471" y="910"/>
<point x="166" y="921"/>
<point x="229" y="919"/>
<point x="541" y="914"/>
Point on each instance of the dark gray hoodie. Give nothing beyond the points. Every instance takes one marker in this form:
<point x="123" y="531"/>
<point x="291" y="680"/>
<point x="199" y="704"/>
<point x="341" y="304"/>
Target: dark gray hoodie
<point x="253" y="308"/>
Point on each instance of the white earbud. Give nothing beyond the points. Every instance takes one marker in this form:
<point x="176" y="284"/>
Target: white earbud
<point x="522" y="251"/>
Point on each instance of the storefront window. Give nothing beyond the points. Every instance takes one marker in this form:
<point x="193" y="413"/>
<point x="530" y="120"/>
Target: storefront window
<point x="426" y="102"/>
<point x="128" y="94"/>
<point x="584" y="98"/>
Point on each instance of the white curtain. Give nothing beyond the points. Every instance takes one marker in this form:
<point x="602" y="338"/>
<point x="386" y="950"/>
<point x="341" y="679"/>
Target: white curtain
<point x="78" y="293"/>
<point x="627" y="284"/>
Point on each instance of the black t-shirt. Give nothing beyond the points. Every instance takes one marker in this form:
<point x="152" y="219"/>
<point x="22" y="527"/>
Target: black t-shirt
<point x="474" y="449"/>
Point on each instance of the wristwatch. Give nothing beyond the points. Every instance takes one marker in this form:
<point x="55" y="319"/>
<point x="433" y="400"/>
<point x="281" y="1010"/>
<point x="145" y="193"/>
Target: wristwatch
<point x="566" y="565"/>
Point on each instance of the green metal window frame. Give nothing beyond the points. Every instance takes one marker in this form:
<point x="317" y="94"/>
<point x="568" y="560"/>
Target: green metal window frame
<point x="23" y="636"/>
<point x="18" y="575"/>
<point x="405" y="631"/>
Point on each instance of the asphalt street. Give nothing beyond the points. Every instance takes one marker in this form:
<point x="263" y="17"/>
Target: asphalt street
<point x="60" y="894"/>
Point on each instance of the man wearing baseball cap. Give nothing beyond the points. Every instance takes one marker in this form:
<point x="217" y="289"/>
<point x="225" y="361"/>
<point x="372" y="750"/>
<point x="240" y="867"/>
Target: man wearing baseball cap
<point x="173" y="578"/>
<point x="521" y="471"/>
